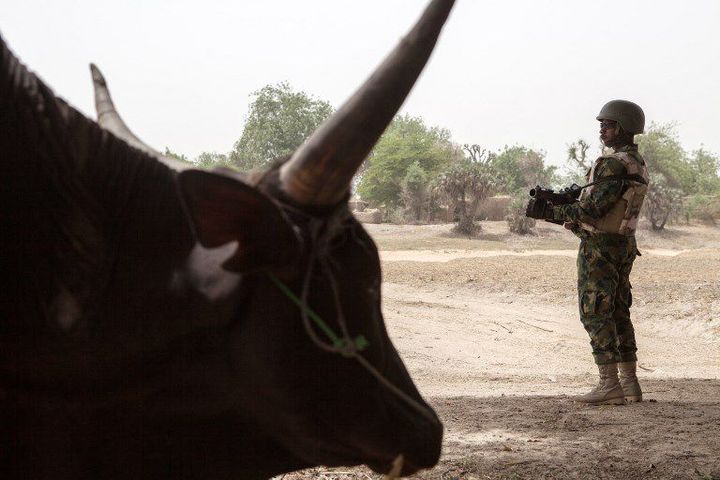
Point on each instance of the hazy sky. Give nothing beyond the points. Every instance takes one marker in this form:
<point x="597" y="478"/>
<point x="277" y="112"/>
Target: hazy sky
<point x="525" y="72"/>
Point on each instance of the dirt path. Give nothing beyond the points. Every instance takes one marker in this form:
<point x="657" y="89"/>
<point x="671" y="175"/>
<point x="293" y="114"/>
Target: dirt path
<point x="457" y="343"/>
<point x="453" y="254"/>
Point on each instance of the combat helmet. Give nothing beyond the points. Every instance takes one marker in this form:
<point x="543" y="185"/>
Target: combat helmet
<point x="628" y="114"/>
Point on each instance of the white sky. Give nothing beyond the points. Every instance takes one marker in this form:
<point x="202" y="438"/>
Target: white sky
<point x="525" y="72"/>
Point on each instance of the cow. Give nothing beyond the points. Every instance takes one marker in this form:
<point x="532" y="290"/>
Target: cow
<point x="164" y="322"/>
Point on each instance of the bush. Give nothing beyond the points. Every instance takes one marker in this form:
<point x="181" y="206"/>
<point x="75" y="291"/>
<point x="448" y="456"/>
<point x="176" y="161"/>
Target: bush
<point x="369" y="215"/>
<point x="495" y="208"/>
<point x="467" y="227"/>
<point x="705" y="208"/>
<point x="519" y="223"/>
<point x="396" y="215"/>
<point x="516" y="219"/>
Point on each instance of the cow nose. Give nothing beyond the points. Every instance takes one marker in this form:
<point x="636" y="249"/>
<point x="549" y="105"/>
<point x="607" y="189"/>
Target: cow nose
<point x="418" y="442"/>
<point x="426" y="452"/>
<point x="418" y="431"/>
<point x="397" y="466"/>
<point x="423" y="451"/>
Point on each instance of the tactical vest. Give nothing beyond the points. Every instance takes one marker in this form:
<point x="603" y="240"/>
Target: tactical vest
<point x="623" y="216"/>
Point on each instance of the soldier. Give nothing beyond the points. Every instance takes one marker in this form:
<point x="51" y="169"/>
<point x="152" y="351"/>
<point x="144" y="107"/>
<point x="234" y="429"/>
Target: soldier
<point x="605" y="219"/>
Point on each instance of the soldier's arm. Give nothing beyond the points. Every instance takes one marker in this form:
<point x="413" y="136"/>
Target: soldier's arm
<point x="601" y="199"/>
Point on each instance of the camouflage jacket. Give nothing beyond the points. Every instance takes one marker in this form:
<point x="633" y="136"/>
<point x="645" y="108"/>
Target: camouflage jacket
<point x="602" y="197"/>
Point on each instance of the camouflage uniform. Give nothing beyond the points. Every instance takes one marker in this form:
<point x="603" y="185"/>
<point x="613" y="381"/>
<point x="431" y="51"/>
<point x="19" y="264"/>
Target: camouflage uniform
<point x="604" y="263"/>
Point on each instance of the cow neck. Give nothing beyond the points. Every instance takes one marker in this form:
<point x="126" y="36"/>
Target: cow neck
<point x="320" y="231"/>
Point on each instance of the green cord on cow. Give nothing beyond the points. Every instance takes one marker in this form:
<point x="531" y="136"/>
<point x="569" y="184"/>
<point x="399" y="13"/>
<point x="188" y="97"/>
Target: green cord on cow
<point x="360" y="342"/>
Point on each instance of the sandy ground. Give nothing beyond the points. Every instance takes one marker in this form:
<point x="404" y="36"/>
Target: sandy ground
<point x="488" y="328"/>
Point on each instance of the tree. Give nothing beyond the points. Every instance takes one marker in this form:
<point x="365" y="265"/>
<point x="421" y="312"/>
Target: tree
<point x="177" y="156"/>
<point x="671" y="174"/>
<point x="705" y="167"/>
<point x="520" y="168"/>
<point x="209" y="160"/>
<point x="577" y="163"/>
<point x="280" y="120"/>
<point x="704" y="204"/>
<point x="407" y="141"/>
<point x="661" y="201"/>
<point x="661" y="149"/>
<point x="464" y="185"/>
<point x="577" y="155"/>
<point x="477" y="154"/>
<point x="414" y="190"/>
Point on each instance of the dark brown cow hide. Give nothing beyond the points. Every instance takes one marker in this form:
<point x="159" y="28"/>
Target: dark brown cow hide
<point x="142" y="330"/>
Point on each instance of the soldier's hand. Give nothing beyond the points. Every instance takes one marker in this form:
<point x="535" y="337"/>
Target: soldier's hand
<point x="574" y="228"/>
<point x="539" y="208"/>
<point x="548" y="213"/>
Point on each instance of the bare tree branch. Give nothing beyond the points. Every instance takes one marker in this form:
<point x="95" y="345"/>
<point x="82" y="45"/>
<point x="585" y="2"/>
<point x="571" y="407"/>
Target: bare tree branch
<point x="577" y="154"/>
<point x="477" y="154"/>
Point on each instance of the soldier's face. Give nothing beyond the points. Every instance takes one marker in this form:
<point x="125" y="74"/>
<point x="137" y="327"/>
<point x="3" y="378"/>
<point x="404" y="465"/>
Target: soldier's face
<point x="608" y="132"/>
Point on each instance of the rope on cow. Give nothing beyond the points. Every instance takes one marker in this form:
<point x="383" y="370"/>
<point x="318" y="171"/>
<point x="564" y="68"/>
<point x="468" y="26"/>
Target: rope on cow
<point x="346" y="346"/>
<point x="321" y="231"/>
<point x="360" y="342"/>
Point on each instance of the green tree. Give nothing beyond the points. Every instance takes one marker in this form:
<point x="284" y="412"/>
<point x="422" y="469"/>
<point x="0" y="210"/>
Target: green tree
<point x="407" y="141"/>
<point x="280" y="120"/>
<point x="665" y="156"/>
<point x="209" y="160"/>
<point x="519" y="168"/>
<point x="414" y="190"/>
<point x="697" y="173"/>
<point x="671" y="175"/>
<point x="705" y="167"/>
<point x="177" y="156"/>
<point x="704" y="204"/>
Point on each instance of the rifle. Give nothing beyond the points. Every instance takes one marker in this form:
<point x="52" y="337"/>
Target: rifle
<point x="541" y="199"/>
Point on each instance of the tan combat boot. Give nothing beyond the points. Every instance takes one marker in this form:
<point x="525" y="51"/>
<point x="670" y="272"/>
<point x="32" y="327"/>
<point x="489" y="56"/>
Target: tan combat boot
<point x="629" y="381"/>
<point x="608" y="390"/>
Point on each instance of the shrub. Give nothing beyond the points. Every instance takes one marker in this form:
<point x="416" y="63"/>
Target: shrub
<point x="516" y="219"/>
<point x="705" y="208"/>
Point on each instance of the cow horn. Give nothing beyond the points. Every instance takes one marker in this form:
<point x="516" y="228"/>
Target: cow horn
<point x="109" y="119"/>
<point x="320" y="171"/>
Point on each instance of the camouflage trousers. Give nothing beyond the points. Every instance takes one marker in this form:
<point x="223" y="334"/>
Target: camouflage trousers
<point x="604" y="295"/>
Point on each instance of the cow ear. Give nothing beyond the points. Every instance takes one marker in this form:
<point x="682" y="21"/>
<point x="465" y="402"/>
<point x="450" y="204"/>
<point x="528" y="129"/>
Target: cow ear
<point x="223" y="210"/>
